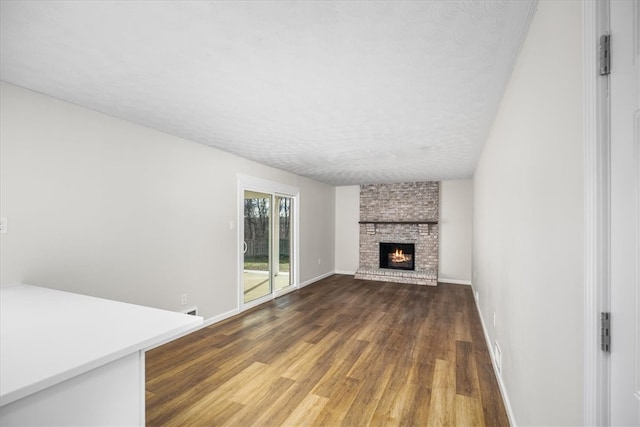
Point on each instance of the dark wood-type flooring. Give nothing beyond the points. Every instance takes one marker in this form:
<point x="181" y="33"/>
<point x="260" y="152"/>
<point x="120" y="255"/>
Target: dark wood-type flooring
<point x="338" y="352"/>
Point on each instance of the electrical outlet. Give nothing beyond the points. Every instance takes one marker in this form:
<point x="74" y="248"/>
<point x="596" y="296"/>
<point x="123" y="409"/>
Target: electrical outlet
<point x="183" y="299"/>
<point x="494" y="318"/>
<point x="319" y="261"/>
<point x="477" y="295"/>
<point x="3" y="225"/>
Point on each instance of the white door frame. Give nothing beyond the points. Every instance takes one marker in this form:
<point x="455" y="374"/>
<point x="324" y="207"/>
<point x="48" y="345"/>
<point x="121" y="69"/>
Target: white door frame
<point x="246" y="182"/>
<point x="597" y="218"/>
<point x="596" y="118"/>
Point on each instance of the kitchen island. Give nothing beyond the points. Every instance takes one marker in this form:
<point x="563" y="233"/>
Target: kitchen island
<point x="70" y="359"/>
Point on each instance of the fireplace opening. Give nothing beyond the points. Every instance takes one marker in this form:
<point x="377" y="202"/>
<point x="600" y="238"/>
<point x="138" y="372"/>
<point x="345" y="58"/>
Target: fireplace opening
<point x="397" y="255"/>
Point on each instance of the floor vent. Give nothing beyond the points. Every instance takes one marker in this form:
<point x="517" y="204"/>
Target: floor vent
<point x="193" y="311"/>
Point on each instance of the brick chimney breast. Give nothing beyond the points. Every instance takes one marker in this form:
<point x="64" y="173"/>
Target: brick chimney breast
<point x="405" y="212"/>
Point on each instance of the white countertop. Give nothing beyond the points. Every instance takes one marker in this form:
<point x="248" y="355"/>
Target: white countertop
<point x="48" y="336"/>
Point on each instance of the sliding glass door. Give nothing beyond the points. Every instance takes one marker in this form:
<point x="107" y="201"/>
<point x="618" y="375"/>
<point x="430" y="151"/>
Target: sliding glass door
<point x="283" y="243"/>
<point x="256" y="276"/>
<point x="268" y="245"/>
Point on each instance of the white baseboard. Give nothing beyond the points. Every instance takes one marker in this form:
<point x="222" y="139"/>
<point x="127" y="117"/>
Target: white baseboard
<point x="454" y="281"/>
<point x="220" y="317"/>
<point x="503" y="390"/>
<point x="351" y="273"/>
<point x="315" y="279"/>
<point x="285" y="291"/>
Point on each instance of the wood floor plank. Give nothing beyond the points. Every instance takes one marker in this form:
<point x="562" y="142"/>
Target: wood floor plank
<point x="223" y="393"/>
<point x="369" y="394"/>
<point x="338" y="371"/>
<point x="286" y="403"/>
<point x="311" y="359"/>
<point x="219" y="415"/>
<point x="466" y="373"/>
<point x="307" y="411"/>
<point x="260" y="401"/>
<point x="172" y="400"/>
<point x="338" y="352"/>
<point x="418" y="413"/>
<point x="343" y="394"/>
<point x="468" y="411"/>
<point x="367" y="358"/>
<point x="443" y="392"/>
<point x="461" y="322"/>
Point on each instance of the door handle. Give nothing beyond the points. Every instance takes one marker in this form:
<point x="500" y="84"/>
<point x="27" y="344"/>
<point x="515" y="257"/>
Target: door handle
<point x="244" y="247"/>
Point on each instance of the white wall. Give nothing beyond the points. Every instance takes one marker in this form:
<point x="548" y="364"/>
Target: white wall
<point x="347" y="229"/>
<point x="528" y="216"/>
<point x="317" y="225"/>
<point x="100" y="206"/>
<point x="455" y="221"/>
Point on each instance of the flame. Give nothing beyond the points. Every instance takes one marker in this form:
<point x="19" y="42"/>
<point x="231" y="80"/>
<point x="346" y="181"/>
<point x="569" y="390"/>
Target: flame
<point x="399" y="256"/>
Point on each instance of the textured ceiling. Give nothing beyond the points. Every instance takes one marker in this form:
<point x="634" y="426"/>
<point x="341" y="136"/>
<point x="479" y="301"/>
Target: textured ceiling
<point x="345" y="92"/>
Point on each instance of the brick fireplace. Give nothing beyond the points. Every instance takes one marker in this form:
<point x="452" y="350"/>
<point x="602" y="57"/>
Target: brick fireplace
<point x="400" y="214"/>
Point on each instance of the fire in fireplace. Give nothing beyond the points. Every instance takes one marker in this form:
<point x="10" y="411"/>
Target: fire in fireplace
<point x="397" y="255"/>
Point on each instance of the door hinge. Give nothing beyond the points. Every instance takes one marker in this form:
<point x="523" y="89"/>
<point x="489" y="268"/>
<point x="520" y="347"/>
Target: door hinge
<point x="605" y="332"/>
<point x="605" y="54"/>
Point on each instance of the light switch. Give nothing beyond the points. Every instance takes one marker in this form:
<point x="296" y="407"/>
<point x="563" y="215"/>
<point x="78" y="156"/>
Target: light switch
<point x="3" y="225"/>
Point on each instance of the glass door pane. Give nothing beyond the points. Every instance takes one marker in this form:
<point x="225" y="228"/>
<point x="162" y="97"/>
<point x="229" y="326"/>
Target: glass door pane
<point x="283" y="242"/>
<point x="256" y="277"/>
